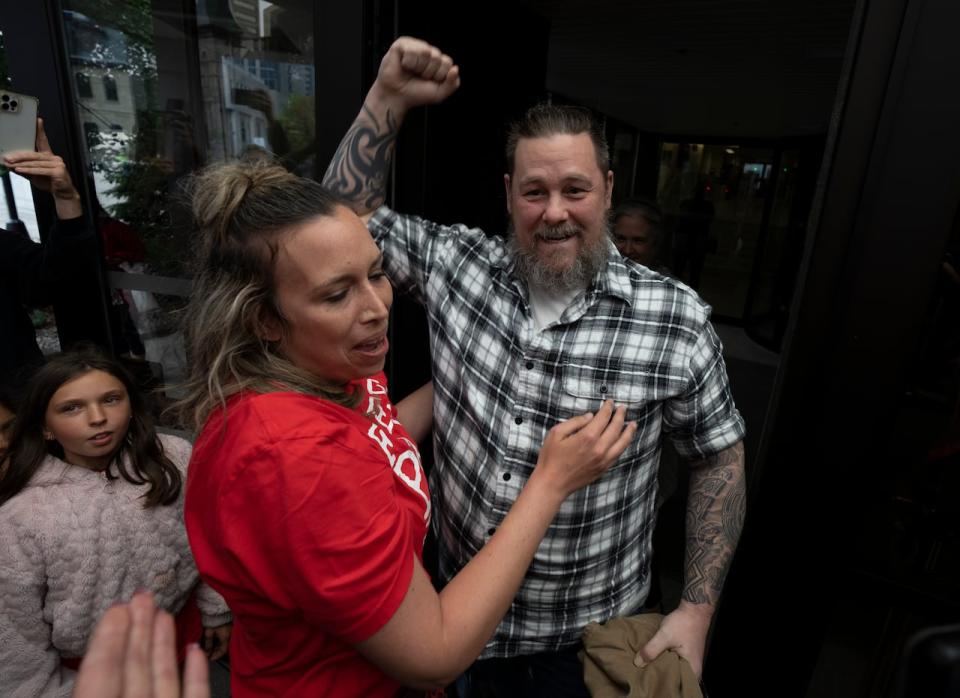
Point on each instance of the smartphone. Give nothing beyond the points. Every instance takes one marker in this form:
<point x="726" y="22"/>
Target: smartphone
<point x="18" y="122"/>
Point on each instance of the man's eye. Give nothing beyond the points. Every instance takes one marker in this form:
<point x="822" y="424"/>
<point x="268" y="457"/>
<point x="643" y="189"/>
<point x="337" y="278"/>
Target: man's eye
<point x="532" y="193"/>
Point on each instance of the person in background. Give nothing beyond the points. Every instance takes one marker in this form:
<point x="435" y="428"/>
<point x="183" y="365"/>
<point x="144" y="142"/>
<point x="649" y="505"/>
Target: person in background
<point x="692" y="238"/>
<point x="307" y="503"/>
<point x="123" y="251"/>
<point x="637" y="228"/>
<point x="91" y="510"/>
<point x="33" y="274"/>
<point x="527" y="331"/>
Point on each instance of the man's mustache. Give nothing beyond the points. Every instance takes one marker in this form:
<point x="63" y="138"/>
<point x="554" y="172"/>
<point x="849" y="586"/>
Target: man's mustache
<point x="557" y="232"/>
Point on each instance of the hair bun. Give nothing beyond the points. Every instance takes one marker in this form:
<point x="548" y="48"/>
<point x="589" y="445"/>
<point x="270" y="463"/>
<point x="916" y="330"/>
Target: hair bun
<point x="222" y="194"/>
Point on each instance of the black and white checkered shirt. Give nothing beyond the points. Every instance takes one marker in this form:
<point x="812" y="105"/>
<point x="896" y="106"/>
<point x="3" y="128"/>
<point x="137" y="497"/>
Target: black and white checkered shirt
<point x="635" y="336"/>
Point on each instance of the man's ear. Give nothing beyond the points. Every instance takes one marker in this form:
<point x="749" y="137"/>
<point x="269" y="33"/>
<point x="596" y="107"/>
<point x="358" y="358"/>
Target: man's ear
<point x="609" y="192"/>
<point x="506" y="184"/>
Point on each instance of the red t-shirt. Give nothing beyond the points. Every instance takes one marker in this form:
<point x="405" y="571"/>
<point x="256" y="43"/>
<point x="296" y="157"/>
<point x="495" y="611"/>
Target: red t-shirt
<point x="306" y="516"/>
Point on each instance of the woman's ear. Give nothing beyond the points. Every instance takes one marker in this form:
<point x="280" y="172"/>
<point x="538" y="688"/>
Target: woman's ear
<point x="48" y="435"/>
<point x="269" y="328"/>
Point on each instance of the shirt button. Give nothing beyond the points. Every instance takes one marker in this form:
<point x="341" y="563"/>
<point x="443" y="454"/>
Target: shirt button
<point x="518" y="420"/>
<point x="506" y="477"/>
<point x="529" y="365"/>
<point x="491" y="531"/>
<point x="603" y="388"/>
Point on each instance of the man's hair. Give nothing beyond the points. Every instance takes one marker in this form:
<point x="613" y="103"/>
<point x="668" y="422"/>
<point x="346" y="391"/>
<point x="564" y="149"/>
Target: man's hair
<point x="640" y="208"/>
<point x="543" y="120"/>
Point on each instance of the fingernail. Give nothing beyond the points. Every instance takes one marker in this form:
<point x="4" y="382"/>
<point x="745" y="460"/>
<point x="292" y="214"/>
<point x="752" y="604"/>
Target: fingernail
<point x="638" y="662"/>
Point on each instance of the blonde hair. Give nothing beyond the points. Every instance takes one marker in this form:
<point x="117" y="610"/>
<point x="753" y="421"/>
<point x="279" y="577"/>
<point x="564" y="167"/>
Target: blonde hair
<point x="241" y="210"/>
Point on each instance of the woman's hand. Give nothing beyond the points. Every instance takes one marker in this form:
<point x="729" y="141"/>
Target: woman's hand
<point x="216" y="641"/>
<point x="578" y="451"/>
<point x="133" y="654"/>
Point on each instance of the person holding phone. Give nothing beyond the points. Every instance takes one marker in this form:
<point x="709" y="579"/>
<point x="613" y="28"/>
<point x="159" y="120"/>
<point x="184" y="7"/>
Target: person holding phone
<point x="31" y="274"/>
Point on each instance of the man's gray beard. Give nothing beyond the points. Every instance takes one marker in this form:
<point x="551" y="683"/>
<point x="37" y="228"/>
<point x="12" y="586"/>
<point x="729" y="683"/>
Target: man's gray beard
<point x="589" y="261"/>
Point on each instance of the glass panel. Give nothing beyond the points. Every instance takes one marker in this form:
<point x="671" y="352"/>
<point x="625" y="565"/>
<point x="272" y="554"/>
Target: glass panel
<point x="23" y="203"/>
<point x="780" y="257"/>
<point x="713" y="198"/>
<point x="160" y="93"/>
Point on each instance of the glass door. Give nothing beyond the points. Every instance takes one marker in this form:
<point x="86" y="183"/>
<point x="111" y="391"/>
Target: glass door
<point x="161" y="91"/>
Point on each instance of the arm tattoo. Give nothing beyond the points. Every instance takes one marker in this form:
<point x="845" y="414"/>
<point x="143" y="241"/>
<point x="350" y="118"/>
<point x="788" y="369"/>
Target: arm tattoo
<point x="358" y="171"/>
<point x="715" y="510"/>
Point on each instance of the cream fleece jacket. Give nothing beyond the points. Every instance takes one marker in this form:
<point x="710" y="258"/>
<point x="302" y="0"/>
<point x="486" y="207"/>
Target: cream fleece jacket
<point x="73" y="543"/>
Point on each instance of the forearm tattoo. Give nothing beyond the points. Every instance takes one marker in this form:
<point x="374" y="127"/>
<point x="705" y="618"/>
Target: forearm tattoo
<point x="358" y="171"/>
<point x="715" y="510"/>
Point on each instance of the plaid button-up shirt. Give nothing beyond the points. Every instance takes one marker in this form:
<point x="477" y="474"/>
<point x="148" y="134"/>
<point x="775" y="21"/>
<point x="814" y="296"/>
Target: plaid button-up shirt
<point x="500" y="385"/>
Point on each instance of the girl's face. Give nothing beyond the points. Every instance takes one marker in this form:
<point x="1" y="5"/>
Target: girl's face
<point x="89" y="416"/>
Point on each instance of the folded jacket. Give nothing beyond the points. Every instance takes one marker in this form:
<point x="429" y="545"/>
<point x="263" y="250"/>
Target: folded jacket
<point x="608" y="669"/>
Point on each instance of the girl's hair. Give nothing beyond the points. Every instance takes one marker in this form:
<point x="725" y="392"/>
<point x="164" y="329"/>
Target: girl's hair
<point x="139" y="459"/>
<point x="7" y="399"/>
<point x="241" y="210"/>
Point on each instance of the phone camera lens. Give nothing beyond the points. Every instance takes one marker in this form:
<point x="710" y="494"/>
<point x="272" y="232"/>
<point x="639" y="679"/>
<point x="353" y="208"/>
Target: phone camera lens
<point x="5" y="97"/>
<point x="13" y="104"/>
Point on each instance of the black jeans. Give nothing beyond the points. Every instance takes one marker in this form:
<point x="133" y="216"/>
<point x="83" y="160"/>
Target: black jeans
<point x="545" y="675"/>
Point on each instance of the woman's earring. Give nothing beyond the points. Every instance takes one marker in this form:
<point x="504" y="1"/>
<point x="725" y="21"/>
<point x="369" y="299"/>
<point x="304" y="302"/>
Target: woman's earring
<point x="48" y="435"/>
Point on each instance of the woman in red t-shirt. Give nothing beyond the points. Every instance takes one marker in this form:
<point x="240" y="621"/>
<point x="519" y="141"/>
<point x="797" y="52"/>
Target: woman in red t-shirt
<point x="306" y="503"/>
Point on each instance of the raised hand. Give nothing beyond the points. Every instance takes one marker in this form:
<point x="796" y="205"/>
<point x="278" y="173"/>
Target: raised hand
<point x="132" y="654"/>
<point x="413" y="73"/>
<point x="47" y="172"/>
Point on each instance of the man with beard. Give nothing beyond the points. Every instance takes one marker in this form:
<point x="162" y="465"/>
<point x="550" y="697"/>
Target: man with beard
<point x="534" y="330"/>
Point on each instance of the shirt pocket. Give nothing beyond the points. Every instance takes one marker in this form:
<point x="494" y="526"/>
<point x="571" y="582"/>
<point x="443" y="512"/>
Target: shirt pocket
<point x="641" y="392"/>
<point x="584" y="389"/>
<point x="590" y="386"/>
